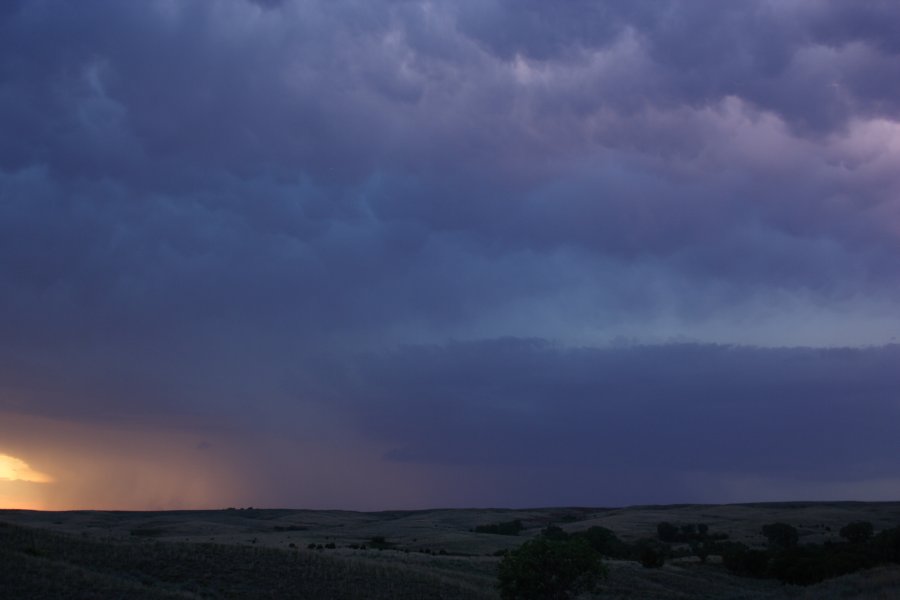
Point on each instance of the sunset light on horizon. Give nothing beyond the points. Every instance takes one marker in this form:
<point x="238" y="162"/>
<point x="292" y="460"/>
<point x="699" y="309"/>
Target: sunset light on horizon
<point x="15" y="469"/>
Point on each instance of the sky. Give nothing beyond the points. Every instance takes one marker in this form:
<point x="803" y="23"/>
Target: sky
<point x="384" y="254"/>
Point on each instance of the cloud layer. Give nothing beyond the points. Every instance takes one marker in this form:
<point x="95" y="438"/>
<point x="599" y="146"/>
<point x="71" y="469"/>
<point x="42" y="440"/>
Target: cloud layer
<point x="388" y="226"/>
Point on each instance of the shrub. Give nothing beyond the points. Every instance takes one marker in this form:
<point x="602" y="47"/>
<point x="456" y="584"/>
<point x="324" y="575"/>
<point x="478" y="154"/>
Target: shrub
<point x="741" y="560"/>
<point x="667" y="532"/>
<point x="380" y="543"/>
<point x="651" y="554"/>
<point x="812" y="564"/>
<point x="887" y="545"/>
<point x="544" y="569"/>
<point x="686" y="532"/>
<point x="781" y="535"/>
<point x="604" y="541"/>
<point x="504" y="528"/>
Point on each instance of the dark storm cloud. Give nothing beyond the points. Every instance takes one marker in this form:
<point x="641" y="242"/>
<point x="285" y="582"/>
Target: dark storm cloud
<point x="797" y="412"/>
<point x="205" y="206"/>
<point x="175" y="162"/>
<point x="774" y="55"/>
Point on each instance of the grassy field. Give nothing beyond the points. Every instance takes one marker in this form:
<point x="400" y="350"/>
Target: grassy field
<point x="252" y="553"/>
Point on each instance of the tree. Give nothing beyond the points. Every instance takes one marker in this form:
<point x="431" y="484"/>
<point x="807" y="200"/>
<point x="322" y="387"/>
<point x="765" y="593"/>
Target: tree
<point x="544" y="569"/>
<point x="504" y="528"/>
<point x="651" y="554"/>
<point x="741" y="560"/>
<point x="667" y="532"/>
<point x="781" y="535"/>
<point x="604" y="541"/>
<point x="887" y="544"/>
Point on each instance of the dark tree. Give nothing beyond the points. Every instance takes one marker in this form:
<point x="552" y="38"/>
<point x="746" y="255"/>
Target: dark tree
<point x="667" y="532"/>
<point x="504" y="528"/>
<point x="651" y="554"/>
<point x="781" y="535"/>
<point x="604" y="541"/>
<point x="544" y="569"/>
<point x="887" y="544"/>
<point x="858" y="532"/>
<point x="741" y="560"/>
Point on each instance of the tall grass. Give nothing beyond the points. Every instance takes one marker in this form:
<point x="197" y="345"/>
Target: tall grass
<point x="41" y="565"/>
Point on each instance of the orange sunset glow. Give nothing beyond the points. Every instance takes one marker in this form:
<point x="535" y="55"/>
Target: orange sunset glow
<point x="20" y="484"/>
<point x="16" y="469"/>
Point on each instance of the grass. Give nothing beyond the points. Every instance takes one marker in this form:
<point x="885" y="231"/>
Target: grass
<point x="247" y="553"/>
<point x="43" y="565"/>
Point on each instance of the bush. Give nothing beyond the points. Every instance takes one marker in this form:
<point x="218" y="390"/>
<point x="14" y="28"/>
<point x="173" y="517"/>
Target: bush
<point x="544" y="569"/>
<point x="686" y="532"/>
<point x="812" y="564"/>
<point x="667" y="532"/>
<point x="651" y="554"/>
<point x="604" y="541"/>
<point x="379" y="543"/>
<point x="504" y="528"/>
<point x="781" y="535"/>
<point x="741" y="560"/>
<point x="887" y="545"/>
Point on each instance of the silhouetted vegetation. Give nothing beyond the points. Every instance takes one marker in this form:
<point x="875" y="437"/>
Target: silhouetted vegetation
<point x="380" y="543"/>
<point x="667" y="532"/>
<point x="686" y="533"/>
<point x="550" y="569"/>
<point x="505" y="528"/>
<point x="651" y="554"/>
<point x="781" y="535"/>
<point x="605" y="542"/>
<point x="554" y="532"/>
<point x="146" y="556"/>
<point x="789" y="562"/>
<point x="740" y="559"/>
<point x="887" y="544"/>
<point x="814" y="563"/>
<point x="857" y="532"/>
<point x="783" y="559"/>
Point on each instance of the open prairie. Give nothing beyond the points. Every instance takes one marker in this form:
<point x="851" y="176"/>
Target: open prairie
<point x="274" y="553"/>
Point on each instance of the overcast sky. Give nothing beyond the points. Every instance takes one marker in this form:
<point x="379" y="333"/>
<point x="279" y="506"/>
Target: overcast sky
<point x="401" y="254"/>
